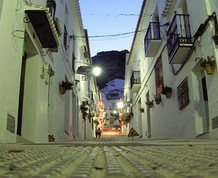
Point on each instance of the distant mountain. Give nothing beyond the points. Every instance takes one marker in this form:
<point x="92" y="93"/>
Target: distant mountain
<point x="112" y="64"/>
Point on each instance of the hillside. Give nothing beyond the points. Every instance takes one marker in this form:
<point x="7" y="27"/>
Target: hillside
<point x="112" y="64"/>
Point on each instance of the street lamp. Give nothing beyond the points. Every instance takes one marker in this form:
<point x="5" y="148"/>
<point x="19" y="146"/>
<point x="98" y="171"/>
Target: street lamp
<point x="89" y="71"/>
<point x="120" y="105"/>
<point x="97" y="71"/>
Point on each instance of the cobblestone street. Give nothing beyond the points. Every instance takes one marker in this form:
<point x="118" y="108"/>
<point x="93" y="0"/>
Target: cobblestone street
<point x="110" y="157"/>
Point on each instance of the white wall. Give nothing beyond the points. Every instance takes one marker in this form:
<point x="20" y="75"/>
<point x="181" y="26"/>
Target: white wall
<point x="167" y="121"/>
<point x="10" y="64"/>
<point x="45" y="110"/>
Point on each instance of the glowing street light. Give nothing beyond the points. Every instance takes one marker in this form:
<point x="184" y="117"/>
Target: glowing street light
<point x="120" y="105"/>
<point x="96" y="71"/>
<point x="89" y="71"/>
<point x="114" y="112"/>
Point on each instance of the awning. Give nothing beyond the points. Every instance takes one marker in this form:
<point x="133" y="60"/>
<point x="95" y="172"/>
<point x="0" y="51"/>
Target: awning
<point x="43" y="24"/>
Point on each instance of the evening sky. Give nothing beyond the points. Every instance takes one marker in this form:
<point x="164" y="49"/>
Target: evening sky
<point x="110" y="23"/>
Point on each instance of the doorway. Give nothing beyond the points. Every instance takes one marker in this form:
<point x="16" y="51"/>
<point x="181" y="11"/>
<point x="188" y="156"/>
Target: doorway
<point x="148" y="117"/>
<point x="75" y="111"/>
<point x="29" y="68"/>
<point x="205" y="103"/>
<point x="21" y="95"/>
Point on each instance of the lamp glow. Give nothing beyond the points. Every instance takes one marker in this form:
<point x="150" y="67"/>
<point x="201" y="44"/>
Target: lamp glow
<point x="97" y="71"/>
<point x="120" y="105"/>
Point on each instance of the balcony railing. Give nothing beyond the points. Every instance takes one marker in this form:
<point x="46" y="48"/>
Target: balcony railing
<point x="152" y="39"/>
<point x="51" y="4"/>
<point x="179" y="39"/>
<point x="135" y="81"/>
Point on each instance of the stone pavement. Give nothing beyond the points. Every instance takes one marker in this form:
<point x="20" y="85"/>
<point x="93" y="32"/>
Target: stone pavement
<point x="111" y="157"/>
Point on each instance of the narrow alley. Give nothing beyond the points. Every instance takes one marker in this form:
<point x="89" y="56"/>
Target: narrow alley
<point x="111" y="157"/>
<point x="71" y="107"/>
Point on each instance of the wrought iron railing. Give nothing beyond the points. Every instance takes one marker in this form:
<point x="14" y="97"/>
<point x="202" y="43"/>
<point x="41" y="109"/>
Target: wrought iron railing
<point x="51" y="4"/>
<point x="179" y="32"/>
<point x="135" y="78"/>
<point x="153" y="33"/>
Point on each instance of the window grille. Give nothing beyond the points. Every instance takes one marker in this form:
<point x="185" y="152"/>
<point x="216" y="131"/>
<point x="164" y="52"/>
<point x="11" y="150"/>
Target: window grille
<point x="183" y="94"/>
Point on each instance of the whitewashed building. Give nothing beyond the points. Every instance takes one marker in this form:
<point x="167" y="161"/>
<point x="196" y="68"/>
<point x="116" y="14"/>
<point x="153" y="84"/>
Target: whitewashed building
<point x="174" y="41"/>
<point x="42" y="45"/>
<point x="111" y="95"/>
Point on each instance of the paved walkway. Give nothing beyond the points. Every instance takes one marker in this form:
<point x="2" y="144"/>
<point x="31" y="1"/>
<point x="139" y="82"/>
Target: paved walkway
<point x="111" y="157"/>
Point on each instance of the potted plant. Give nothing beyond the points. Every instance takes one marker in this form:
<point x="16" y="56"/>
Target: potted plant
<point x="157" y="98"/>
<point x="128" y="116"/>
<point x="141" y="110"/>
<point x="96" y="122"/>
<point x="65" y="85"/>
<point x="149" y="104"/>
<point x="125" y="122"/>
<point x="167" y="91"/>
<point x="62" y="89"/>
<point x="208" y="64"/>
<point x="51" y="138"/>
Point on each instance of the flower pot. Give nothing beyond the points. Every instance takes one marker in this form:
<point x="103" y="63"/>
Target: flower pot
<point x="51" y="138"/>
<point x="157" y="100"/>
<point x="149" y="104"/>
<point x="167" y="91"/>
<point x="168" y="94"/>
<point x="62" y="90"/>
<point x="142" y="110"/>
<point x="209" y="69"/>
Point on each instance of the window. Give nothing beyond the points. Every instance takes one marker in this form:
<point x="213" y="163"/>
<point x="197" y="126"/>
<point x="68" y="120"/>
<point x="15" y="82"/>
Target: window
<point x="159" y="75"/>
<point x="73" y="62"/>
<point x="183" y="95"/>
<point x="66" y="41"/>
<point x="113" y="95"/>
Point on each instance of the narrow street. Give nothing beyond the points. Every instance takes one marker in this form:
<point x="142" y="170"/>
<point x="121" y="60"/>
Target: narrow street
<point x="111" y="157"/>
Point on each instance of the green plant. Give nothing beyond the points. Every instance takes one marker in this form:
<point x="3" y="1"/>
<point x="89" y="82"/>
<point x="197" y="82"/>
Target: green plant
<point x="149" y="104"/>
<point x="66" y="84"/>
<point x="209" y="61"/>
<point x="96" y="122"/>
<point x="167" y="91"/>
<point x="157" y="98"/>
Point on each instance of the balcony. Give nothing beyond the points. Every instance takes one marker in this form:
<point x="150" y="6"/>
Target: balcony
<point x="44" y="28"/>
<point x="152" y="39"/>
<point x="135" y="81"/>
<point x="179" y="39"/>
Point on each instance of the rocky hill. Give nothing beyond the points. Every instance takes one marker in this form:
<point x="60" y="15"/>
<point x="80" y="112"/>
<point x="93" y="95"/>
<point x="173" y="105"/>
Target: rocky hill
<point x="112" y="64"/>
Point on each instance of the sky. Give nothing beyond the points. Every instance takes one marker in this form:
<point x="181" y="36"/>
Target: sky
<point x="110" y="23"/>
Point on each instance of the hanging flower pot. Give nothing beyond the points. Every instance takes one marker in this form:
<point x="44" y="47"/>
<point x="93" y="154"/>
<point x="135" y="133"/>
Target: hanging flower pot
<point x="65" y="85"/>
<point x="142" y="110"/>
<point x="209" y="69"/>
<point x="208" y="64"/>
<point x="167" y="91"/>
<point x="157" y="99"/>
<point x="96" y="122"/>
<point x="62" y="90"/>
<point x="149" y="104"/>
<point x="84" y="109"/>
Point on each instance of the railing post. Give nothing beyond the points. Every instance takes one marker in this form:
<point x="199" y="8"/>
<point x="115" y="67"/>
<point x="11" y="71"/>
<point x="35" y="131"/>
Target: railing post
<point x="51" y="4"/>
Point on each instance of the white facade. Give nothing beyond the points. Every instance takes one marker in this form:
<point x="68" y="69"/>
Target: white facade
<point x="32" y="106"/>
<point x="111" y="95"/>
<point x="197" y="114"/>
